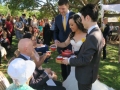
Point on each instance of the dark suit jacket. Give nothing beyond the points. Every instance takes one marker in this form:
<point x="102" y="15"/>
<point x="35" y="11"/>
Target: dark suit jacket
<point x="39" y="77"/>
<point x="106" y="31"/>
<point x="88" y="58"/>
<point x="59" y="33"/>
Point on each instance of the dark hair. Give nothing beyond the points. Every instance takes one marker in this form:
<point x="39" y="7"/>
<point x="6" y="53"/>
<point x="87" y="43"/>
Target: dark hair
<point x="8" y="18"/>
<point x="28" y="35"/>
<point x="23" y="14"/>
<point x="63" y="2"/>
<point x="34" y="15"/>
<point x="77" y="20"/>
<point x="91" y="10"/>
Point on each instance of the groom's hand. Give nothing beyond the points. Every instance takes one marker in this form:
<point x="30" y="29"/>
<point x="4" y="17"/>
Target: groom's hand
<point x="65" y="61"/>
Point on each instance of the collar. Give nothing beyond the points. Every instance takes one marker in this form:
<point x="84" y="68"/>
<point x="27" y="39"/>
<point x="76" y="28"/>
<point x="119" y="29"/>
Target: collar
<point x="67" y="14"/>
<point x="90" y="29"/>
<point x="26" y="56"/>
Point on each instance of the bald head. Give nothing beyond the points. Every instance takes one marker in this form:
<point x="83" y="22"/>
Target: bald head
<point x="25" y="46"/>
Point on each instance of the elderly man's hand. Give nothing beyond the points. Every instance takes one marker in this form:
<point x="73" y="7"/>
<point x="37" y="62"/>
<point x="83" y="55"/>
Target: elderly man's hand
<point x="48" y="70"/>
<point x="47" y="54"/>
<point x="53" y="75"/>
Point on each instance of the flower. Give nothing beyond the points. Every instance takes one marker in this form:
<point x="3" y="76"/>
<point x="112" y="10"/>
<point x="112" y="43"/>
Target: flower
<point x="83" y="39"/>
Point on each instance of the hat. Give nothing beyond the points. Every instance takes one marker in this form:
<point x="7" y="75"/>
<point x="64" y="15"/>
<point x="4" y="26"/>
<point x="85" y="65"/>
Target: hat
<point x="20" y="70"/>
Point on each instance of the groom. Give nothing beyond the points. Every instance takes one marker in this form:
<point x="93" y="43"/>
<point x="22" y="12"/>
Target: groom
<point x="88" y="58"/>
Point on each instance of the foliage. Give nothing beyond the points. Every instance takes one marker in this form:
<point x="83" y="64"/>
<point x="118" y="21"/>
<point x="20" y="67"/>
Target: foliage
<point x="3" y="10"/>
<point x="48" y="8"/>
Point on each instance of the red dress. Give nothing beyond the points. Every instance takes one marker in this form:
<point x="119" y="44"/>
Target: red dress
<point x="9" y="27"/>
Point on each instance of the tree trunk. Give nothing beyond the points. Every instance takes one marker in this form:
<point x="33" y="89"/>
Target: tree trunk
<point x="105" y="1"/>
<point x="119" y="48"/>
<point x="95" y="1"/>
<point x="115" y="2"/>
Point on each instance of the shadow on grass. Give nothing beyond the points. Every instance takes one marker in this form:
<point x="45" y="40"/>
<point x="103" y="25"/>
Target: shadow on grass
<point x="109" y="70"/>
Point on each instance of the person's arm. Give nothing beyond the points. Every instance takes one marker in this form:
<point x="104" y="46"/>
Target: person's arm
<point x="64" y="44"/>
<point x="39" y="81"/>
<point x="1" y="33"/>
<point x="21" y="29"/>
<point x="35" y="56"/>
<point x="106" y="30"/>
<point x="39" y="59"/>
<point x="56" y="31"/>
<point x="17" y="27"/>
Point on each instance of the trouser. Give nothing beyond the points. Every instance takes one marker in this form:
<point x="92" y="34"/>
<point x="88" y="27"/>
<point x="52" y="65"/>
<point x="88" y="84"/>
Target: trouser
<point x="65" y="71"/>
<point x="84" y="86"/>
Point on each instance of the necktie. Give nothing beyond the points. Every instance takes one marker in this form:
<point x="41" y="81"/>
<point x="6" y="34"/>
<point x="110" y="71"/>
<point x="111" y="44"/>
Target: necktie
<point x="64" y="23"/>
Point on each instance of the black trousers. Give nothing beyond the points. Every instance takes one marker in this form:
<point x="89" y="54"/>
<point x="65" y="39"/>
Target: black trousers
<point x="104" y="48"/>
<point x="84" y="86"/>
<point x="104" y="52"/>
<point x="51" y="35"/>
<point x="10" y="39"/>
<point x="65" y="71"/>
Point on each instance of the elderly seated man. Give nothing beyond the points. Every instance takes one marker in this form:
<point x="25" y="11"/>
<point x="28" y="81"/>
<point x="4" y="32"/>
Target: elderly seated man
<point x="38" y="47"/>
<point x="40" y="77"/>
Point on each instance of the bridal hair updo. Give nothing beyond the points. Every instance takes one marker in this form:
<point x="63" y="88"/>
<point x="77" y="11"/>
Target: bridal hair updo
<point x="77" y="20"/>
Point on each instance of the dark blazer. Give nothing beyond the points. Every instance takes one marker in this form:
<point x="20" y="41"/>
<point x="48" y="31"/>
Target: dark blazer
<point x="106" y="31"/>
<point x="59" y="33"/>
<point x="88" y="58"/>
<point x="39" y="77"/>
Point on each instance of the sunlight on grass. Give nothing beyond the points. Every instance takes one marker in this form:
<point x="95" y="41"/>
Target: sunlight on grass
<point x="109" y="67"/>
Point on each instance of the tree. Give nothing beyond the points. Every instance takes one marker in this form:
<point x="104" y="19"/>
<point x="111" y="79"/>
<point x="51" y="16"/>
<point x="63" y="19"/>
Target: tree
<point x="49" y="7"/>
<point x="3" y="9"/>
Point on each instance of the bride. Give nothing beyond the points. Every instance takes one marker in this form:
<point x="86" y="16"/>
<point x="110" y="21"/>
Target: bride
<point x="76" y="39"/>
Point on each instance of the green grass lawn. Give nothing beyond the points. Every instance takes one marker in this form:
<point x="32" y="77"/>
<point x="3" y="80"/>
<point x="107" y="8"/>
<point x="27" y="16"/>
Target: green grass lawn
<point x="109" y="70"/>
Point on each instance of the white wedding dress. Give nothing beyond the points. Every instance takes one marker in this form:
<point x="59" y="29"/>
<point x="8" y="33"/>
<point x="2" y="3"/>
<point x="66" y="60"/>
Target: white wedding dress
<point x="71" y="83"/>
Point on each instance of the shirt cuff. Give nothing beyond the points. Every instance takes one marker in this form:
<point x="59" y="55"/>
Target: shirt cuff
<point x="46" y="72"/>
<point x="48" y="75"/>
<point x="69" y="60"/>
<point x="73" y="56"/>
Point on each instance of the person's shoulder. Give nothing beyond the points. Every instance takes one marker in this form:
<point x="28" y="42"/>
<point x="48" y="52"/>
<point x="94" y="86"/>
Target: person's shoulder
<point x="58" y="16"/>
<point x="71" y="13"/>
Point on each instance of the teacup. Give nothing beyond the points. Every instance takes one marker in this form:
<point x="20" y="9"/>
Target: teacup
<point x="48" y="52"/>
<point x="59" y="58"/>
<point x="53" y="48"/>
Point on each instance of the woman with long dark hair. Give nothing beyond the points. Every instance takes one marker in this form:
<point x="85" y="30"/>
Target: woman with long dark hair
<point x="76" y="39"/>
